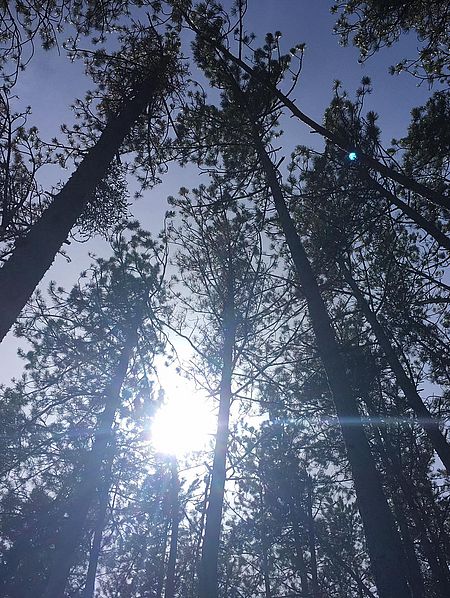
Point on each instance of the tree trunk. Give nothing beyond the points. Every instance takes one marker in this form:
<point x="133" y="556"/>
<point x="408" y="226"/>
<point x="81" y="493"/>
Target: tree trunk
<point x="175" y="525"/>
<point x="198" y="544"/>
<point x="299" y="558"/>
<point x="208" y="575"/>
<point x="34" y="254"/>
<point x="312" y="540"/>
<point x="264" y="547"/>
<point x="160" y="578"/>
<point x="413" y="568"/>
<point x="89" y="586"/>
<point x="72" y="527"/>
<point x="383" y="540"/>
<point x="430" y="549"/>
<point x="413" y="398"/>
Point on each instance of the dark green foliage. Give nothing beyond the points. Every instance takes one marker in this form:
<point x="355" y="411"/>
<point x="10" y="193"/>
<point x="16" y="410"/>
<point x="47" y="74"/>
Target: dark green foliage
<point x="427" y="144"/>
<point x="75" y="343"/>
<point x="372" y="24"/>
<point x="282" y="277"/>
<point x="27" y="22"/>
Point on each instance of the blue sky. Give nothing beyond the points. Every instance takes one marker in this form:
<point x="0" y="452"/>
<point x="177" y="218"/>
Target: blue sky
<point x="51" y="83"/>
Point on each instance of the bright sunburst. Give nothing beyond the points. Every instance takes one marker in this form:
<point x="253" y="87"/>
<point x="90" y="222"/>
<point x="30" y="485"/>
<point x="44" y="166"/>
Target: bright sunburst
<point x="184" y="424"/>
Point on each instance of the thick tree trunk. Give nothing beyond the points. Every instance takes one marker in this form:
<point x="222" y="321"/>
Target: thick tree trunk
<point x="208" y="575"/>
<point x="383" y="540"/>
<point x="34" y="254"/>
<point x="175" y="526"/>
<point x="72" y="527"/>
<point x="413" y="398"/>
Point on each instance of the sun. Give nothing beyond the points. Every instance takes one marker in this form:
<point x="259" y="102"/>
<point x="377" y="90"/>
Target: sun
<point x="184" y="424"/>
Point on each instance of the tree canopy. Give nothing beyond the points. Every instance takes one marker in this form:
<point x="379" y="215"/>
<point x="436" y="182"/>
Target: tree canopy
<point x="284" y="327"/>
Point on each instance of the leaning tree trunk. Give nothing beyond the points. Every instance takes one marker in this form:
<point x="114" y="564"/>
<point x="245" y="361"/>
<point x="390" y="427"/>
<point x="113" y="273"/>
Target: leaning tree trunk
<point x="389" y="456"/>
<point x="198" y="544"/>
<point x="413" y="398"/>
<point x="174" y="501"/>
<point x="103" y="496"/>
<point x="264" y="546"/>
<point x="312" y="538"/>
<point x="298" y="556"/>
<point x="162" y="562"/>
<point x="72" y="527"/>
<point x="34" y="254"/>
<point x="383" y="541"/>
<point x="413" y="568"/>
<point x="208" y="574"/>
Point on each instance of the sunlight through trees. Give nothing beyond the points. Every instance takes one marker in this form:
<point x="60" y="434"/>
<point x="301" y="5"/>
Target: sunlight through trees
<point x="243" y="393"/>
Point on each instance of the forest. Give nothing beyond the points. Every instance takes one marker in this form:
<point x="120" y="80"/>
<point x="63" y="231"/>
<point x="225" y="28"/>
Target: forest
<point x="224" y="310"/>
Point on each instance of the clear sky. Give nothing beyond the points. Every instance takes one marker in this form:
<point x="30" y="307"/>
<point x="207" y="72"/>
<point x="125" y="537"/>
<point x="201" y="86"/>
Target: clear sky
<point x="50" y="84"/>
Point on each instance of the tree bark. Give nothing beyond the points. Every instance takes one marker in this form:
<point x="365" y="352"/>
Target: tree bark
<point x="413" y="568"/>
<point x="264" y="547"/>
<point x="89" y="586"/>
<point x="198" y="545"/>
<point x="72" y="527"/>
<point x="175" y="526"/>
<point x="413" y="398"/>
<point x="208" y="575"/>
<point x="34" y="254"/>
<point x="160" y="577"/>
<point x="383" y="540"/>
<point x="299" y="557"/>
<point x="430" y="549"/>
<point x="312" y="540"/>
